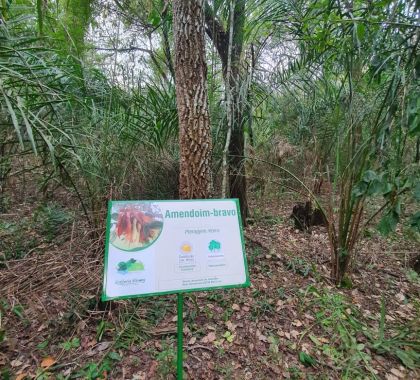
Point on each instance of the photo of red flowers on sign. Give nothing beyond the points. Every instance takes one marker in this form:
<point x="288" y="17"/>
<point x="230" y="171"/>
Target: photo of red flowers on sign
<point x="135" y="226"/>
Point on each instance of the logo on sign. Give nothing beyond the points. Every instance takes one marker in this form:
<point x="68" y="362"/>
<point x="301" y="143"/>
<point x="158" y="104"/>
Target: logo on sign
<point x="214" y="246"/>
<point x="186" y="248"/>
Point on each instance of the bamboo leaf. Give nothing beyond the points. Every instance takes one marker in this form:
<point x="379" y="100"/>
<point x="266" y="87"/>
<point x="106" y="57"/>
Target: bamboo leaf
<point x="27" y="124"/>
<point x="13" y="116"/>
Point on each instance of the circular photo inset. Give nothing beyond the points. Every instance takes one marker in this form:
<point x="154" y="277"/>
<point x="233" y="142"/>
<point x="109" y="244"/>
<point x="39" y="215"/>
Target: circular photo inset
<point x="135" y="226"/>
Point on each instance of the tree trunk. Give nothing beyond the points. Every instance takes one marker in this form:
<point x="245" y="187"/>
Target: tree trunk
<point x="220" y="37"/>
<point x="191" y="98"/>
<point x="237" y="175"/>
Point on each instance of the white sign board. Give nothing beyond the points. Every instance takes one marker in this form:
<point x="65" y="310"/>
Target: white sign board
<point x="162" y="247"/>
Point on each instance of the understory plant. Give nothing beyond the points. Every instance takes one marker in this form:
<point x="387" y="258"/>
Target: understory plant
<point x="370" y="120"/>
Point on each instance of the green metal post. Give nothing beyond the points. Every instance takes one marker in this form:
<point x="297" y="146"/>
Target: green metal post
<point x="180" y="331"/>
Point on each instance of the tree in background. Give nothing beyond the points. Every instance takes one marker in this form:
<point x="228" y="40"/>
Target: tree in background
<point x="229" y="43"/>
<point x="191" y="96"/>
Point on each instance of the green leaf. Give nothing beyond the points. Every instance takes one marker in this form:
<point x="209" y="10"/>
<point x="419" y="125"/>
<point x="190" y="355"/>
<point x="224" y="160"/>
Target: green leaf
<point x="359" y="189"/>
<point x="114" y="356"/>
<point x="315" y="340"/>
<point x="306" y="359"/>
<point x="417" y="191"/>
<point x="69" y="344"/>
<point x="66" y="346"/>
<point x="369" y="176"/>
<point x="13" y="117"/>
<point x="75" y="342"/>
<point x="376" y="187"/>
<point x="360" y="31"/>
<point x="39" y="7"/>
<point x="388" y="223"/>
<point x="18" y="310"/>
<point x="408" y="357"/>
<point x="27" y="124"/>
<point x="415" y="221"/>
<point x="154" y="18"/>
<point x="228" y="336"/>
<point x="42" y="345"/>
<point x="386" y="188"/>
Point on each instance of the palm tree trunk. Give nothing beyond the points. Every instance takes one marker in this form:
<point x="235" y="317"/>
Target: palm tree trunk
<point x="230" y="56"/>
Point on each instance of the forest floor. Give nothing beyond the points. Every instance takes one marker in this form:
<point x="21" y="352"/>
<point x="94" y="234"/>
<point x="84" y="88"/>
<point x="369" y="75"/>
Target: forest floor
<point x="292" y="323"/>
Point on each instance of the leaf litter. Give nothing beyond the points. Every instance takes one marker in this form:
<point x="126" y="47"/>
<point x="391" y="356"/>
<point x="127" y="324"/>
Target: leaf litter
<point x="286" y="325"/>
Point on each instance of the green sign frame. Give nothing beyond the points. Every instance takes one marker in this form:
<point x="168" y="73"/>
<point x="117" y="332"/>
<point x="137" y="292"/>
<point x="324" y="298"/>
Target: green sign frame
<point x="105" y="297"/>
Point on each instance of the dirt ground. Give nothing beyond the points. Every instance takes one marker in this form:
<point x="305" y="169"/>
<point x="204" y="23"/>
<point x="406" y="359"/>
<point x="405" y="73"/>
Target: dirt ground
<point x="292" y="323"/>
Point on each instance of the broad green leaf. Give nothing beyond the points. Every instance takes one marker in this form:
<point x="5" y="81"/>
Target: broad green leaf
<point x="369" y="176"/>
<point x="359" y="189"/>
<point x="388" y="223"/>
<point x="376" y="187"/>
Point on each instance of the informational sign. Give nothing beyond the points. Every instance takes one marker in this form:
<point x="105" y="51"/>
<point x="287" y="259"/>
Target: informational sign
<point x="162" y="247"/>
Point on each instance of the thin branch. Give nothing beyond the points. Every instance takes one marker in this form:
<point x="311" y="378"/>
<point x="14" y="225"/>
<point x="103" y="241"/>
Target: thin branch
<point x="124" y="50"/>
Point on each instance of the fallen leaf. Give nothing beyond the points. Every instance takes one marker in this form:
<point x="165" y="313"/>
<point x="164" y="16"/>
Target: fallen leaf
<point x="192" y="340"/>
<point x="397" y="373"/>
<point x="16" y="363"/>
<point x="139" y="376"/>
<point x="21" y="376"/>
<point x="210" y="337"/>
<point x="294" y="333"/>
<point x="102" y="346"/>
<point x="47" y="362"/>
<point x="152" y="370"/>
<point x="230" y="326"/>
<point x="297" y="323"/>
<point x="261" y="337"/>
<point x="236" y="307"/>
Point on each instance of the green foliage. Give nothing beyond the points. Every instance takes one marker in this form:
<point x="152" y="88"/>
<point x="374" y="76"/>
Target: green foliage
<point x="102" y="328"/>
<point x="43" y="345"/>
<point x="343" y="324"/>
<point x="357" y="112"/>
<point x="299" y="266"/>
<point x="52" y="220"/>
<point x="134" y="329"/>
<point x="16" y="239"/>
<point x="306" y="360"/>
<point x="403" y="343"/>
<point x="262" y="307"/>
<point x="93" y="371"/>
<point x="166" y="359"/>
<point x="71" y="344"/>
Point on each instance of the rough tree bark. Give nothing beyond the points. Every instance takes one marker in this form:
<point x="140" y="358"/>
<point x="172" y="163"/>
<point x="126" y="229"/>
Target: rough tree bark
<point x="191" y="97"/>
